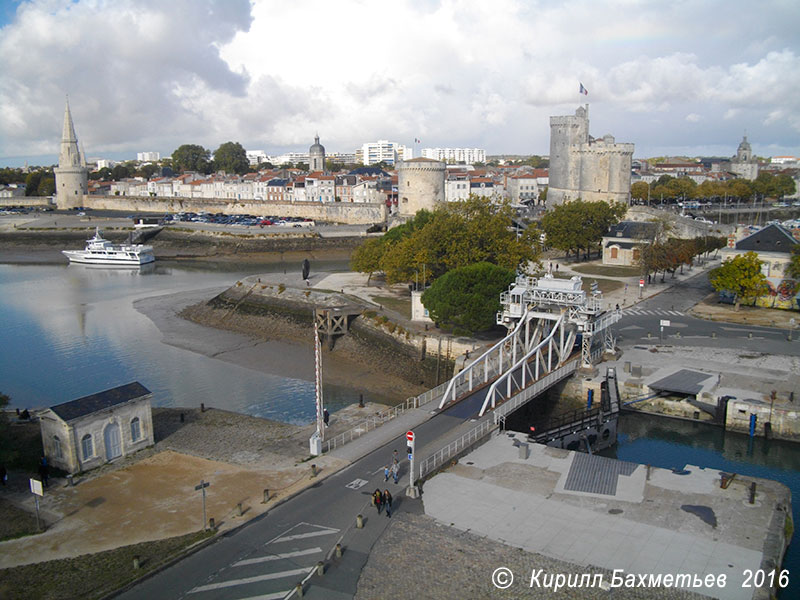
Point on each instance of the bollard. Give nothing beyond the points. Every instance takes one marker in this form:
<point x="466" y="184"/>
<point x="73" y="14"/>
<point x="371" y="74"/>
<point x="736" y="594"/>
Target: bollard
<point x="266" y="496"/>
<point x="647" y="477"/>
<point x="135" y="562"/>
<point x="299" y="589"/>
<point x="313" y="470"/>
<point x="753" y="493"/>
<point x="320" y="568"/>
<point x="239" y="511"/>
<point x="359" y="522"/>
<point x="361" y="401"/>
<point x="338" y="551"/>
<point x="183" y="417"/>
<point x="211" y="524"/>
<point x="697" y="415"/>
<point x="70" y="480"/>
<point x="677" y="334"/>
<point x="714" y="334"/>
<point x="202" y="407"/>
<point x="750" y="335"/>
<point x="648" y="335"/>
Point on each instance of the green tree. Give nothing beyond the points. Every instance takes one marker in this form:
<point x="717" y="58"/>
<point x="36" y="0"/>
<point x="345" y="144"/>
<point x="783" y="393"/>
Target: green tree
<point x="640" y="191"/>
<point x="367" y="257"/>
<point x="148" y="170"/>
<point x="468" y="298"/>
<point x="740" y="276"/>
<point x="47" y="185"/>
<point x="191" y="157"/>
<point x="32" y="181"/>
<point x="120" y="171"/>
<point x="231" y="157"/>
<point x="793" y="268"/>
<point x="739" y="188"/>
<point x="579" y="225"/>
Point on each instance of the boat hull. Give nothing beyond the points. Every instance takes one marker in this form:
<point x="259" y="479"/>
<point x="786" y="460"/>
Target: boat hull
<point x="79" y="256"/>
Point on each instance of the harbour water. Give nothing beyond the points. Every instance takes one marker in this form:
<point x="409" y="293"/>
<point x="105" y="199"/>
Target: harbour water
<point x="72" y="330"/>
<point x="673" y="444"/>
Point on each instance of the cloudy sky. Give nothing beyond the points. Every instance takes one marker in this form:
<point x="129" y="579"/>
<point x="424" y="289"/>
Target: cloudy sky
<point x="678" y="77"/>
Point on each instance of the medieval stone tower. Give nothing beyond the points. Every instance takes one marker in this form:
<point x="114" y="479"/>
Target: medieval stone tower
<point x="420" y="184"/>
<point x="584" y="167"/>
<point x="72" y="176"/>
<point x="316" y="156"/>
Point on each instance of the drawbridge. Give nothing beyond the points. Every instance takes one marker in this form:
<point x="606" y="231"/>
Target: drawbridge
<point x="555" y="328"/>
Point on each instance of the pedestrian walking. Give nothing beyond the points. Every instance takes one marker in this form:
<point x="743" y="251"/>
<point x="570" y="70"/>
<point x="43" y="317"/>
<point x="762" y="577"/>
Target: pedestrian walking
<point x="386" y="472"/>
<point x="394" y="455"/>
<point x="326" y="416"/>
<point x="617" y="305"/>
<point x="395" y="470"/>
<point x="387" y="502"/>
<point x="377" y="499"/>
<point x="44" y="471"/>
<point x="556" y="266"/>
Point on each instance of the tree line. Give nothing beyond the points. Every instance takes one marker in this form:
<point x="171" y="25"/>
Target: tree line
<point x="766" y="185"/>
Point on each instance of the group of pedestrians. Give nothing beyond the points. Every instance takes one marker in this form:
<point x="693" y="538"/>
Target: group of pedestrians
<point x="382" y="500"/>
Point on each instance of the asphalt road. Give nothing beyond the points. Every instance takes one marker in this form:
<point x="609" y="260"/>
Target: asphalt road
<point x="684" y="330"/>
<point x="267" y="557"/>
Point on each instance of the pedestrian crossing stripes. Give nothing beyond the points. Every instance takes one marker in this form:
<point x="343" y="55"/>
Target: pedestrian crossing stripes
<point x="282" y="562"/>
<point x="657" y="312"/>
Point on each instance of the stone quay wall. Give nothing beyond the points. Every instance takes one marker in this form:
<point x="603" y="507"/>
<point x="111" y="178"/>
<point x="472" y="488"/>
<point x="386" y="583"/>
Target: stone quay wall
<point x="361" y="213"/>
<point x="27" y="201"/>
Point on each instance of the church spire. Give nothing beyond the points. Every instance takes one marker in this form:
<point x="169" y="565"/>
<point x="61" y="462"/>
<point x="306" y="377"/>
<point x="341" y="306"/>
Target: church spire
<point x="69" y="129"/>
<point x="70" y="155"/>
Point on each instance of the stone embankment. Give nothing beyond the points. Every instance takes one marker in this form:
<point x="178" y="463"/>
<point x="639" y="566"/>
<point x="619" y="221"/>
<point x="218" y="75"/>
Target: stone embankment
<point x="275" y="311"/>
<point x="183" y="243"/>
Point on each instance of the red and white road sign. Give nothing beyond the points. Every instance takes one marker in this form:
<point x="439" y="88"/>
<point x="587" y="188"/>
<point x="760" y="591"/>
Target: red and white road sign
<point x="641" y="282"/>
<point x="410" y="436"/>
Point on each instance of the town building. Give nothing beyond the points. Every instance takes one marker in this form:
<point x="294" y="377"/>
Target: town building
<point x="623" y="243"/>
<point x="744" y="164"/>
<point x="72" y="175"/>
<point x="584" y="167"/>
<point x="383" y="151"/>
<point x="88" y="432"/>
<point x="148" y="156"/>
<point x="467" y="156"/>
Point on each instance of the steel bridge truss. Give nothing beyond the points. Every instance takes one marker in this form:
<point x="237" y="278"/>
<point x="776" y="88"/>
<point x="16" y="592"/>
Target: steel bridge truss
<point x="545" y="316"/>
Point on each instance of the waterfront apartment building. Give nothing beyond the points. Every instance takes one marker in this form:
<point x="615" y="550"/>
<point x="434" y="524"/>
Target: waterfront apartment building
<point x="467" y="156"/>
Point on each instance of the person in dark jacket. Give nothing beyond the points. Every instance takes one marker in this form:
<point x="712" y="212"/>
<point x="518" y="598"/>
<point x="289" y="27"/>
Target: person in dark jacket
<point x="377" y="499"/>
<point x="387" y="501"/>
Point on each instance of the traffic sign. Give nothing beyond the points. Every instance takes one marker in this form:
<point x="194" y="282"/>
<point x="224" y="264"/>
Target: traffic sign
<point x="664" y="323"/>
<point x="641" y="282"/>
<point x="410" y="436"/>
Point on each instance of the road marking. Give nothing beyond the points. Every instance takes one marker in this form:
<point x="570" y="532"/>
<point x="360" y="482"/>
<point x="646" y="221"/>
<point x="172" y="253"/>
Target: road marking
<point x="275" y="596"/>
<point x="356" y="483"/>
<point x="301" y="536"/>
<point x="253" y="561"/>
<point x="246" y="580"/>
<point x="675" y="312"/>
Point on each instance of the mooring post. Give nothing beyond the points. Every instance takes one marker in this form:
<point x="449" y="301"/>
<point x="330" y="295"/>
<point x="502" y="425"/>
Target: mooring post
<point x="266" y="496"/>
<point x="753" y="493"/>
<point x="359" y="522"/>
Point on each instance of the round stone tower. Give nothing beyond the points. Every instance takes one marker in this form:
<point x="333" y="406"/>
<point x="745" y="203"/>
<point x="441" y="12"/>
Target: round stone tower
<point x="420" y="184"/>
<point x="316" y="156"/>
<point x="72" y="176"/>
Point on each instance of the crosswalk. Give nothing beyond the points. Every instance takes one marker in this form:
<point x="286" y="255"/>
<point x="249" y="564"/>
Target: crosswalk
<point x="657" y="312"/>
<point x="273" y="571"/>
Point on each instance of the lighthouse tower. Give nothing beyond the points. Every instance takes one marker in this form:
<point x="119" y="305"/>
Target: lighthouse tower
<point x="72" y="176"/>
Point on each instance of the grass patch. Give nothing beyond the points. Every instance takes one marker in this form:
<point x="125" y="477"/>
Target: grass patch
<point x="399" y="305"/>
<point x="15" y="522"/>
<point x="607" y="270"/>
<point x="91" y="575"/>
<point x="604" y="285"/>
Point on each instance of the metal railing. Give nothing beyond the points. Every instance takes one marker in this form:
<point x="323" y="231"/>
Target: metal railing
<point x="433" y="462"/>
<point x="375" y="421"/>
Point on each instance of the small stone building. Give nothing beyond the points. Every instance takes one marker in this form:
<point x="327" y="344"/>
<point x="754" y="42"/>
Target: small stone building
<point x="88" y="432"/>
<point x="622" y="244"/>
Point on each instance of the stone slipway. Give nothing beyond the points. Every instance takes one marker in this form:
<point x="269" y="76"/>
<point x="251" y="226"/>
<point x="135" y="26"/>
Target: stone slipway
<point x="638" y="519"/>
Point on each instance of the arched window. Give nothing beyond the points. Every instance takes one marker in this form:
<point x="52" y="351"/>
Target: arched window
<point x="57" y="447"/>
<point x="136" y="431"/>
<point x="614" y="252"/>
<point x="87" y="447"/>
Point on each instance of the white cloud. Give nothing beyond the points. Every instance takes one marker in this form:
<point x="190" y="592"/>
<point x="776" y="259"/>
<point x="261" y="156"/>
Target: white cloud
<point x="151" y="74"/>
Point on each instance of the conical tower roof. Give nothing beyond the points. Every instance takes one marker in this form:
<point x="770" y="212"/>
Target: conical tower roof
<point x="68" y="134"/>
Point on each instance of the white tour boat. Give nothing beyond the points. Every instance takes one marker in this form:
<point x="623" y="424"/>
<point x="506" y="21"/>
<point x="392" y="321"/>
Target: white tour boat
<point x="102" y="252"/>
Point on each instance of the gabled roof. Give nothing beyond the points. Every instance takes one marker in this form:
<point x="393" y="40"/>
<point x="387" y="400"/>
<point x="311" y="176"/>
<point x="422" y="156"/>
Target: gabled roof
<point x="772" y="238"/>
<point x="87" y="405"/>
<point x="632" y="230"/>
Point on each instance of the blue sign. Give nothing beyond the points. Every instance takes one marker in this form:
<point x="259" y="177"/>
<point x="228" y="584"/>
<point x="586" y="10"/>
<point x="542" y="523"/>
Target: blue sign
<point x="409" y="456"/>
